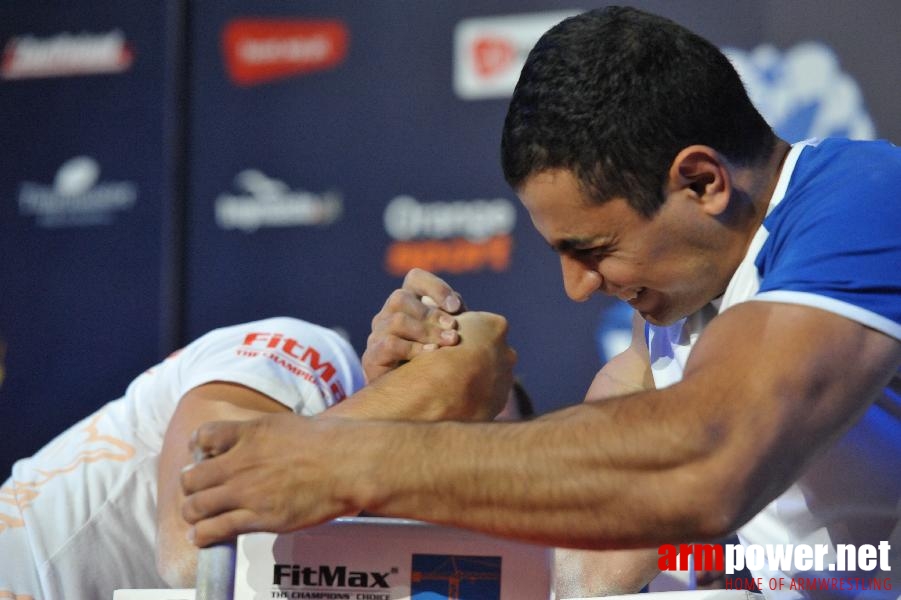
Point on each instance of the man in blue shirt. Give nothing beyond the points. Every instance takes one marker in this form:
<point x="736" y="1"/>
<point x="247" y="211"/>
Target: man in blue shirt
<point x="760" y="393"/>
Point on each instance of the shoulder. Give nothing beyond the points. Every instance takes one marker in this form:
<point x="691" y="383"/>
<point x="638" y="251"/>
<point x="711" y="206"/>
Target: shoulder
<point x="845" y="176"/>
<point x="841" y="194"/>
<point x="833" y="239"/>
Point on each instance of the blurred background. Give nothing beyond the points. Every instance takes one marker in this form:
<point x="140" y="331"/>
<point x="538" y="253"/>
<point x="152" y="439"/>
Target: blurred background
<point x="174" y="166"/>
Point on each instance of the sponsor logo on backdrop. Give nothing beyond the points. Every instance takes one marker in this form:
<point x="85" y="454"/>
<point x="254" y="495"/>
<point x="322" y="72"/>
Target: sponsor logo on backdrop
<point x="261" y="50"/>
<point x="460" y="236"/>
<point x="77" y="197"/>
<point x="803" y="91"/>
<point x="66" y="54"/>
<point x="267" y="202"/>
<point x="489" y="52"/>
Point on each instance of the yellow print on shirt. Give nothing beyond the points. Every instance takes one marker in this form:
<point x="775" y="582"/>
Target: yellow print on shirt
<point x="83" y="446"/>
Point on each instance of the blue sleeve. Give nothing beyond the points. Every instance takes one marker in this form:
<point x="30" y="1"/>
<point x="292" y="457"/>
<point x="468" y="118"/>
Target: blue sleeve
<point x="835" y="241"/>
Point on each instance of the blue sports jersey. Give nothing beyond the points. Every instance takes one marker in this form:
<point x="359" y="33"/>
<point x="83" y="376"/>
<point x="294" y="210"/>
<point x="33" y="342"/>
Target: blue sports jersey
<point x="832" y="240"/>
<point x="837" y="234"/>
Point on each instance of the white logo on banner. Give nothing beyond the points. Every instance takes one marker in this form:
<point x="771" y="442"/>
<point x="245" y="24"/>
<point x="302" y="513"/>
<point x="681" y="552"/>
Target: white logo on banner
<point x="66" y="54"/>
<point x="406" y="218"/>
<point x="803" y="92"/>
<point x="77" y="197"/>
<point x="268" y="202"/>
<point x="489" y="52"/>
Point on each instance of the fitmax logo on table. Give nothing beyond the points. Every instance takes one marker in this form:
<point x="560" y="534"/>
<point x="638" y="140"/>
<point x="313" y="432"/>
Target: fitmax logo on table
<point x="338" y="577"/>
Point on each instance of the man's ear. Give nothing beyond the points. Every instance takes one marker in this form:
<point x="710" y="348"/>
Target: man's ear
<point x="702" y="174"/>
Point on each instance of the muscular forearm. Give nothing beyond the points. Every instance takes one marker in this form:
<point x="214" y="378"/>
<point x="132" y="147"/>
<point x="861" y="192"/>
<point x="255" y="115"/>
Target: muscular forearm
<point x="555" y="482"/>
<point x="402" y="395"/>
<point x="689" y="462"/>
<point x="447" y="384"/>
<point x="571" y="481"/>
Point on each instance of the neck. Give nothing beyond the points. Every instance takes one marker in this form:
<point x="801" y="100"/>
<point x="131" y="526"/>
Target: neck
<point x="762" y="180"/>
<point x="753" y="188"/>
<point x="755" y="184"/>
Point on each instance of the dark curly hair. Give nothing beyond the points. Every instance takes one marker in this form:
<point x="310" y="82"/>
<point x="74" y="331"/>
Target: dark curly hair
<point x="614" y="94"/>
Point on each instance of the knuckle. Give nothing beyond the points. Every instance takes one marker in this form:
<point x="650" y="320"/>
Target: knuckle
<point x="201" y="438"/>
<point x="397" y="322"/>
<point x="189" y="510"/>
<point x="396" y="301"/>
<point x="186" y="480"/>
<point x="397" y="348"/>
<point x="510" y="357"/>
<point x="373" y="340"/>
<point x="414" y="273"/>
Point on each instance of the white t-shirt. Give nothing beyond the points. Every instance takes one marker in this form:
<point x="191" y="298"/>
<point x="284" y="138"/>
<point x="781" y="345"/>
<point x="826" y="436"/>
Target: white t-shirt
<point x="78" y="519"/>
<point x="830" y="240"/>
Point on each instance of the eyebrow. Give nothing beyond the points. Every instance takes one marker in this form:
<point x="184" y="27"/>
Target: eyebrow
<point x="575" y="244"/>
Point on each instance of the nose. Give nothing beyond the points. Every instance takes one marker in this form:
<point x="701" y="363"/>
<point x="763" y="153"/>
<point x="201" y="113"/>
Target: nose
<point x="579" y="280"/>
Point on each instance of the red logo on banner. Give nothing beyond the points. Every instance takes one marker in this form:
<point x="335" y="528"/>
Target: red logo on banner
<point x="260" y="50"/>
<point x="492" y="55"/>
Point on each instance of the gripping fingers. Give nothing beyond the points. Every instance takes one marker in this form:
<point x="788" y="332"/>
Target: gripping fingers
<point x="201" y="475"/>
<point x="403" y="326"/>
<point x="225" y="526"/>
<point x="425" y="284"/>
<point x="207" y="502"/>
<point x="208" y="443"/>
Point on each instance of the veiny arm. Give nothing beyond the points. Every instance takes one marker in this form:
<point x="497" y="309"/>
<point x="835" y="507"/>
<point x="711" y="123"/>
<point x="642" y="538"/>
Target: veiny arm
<point x="690" y="462"/>
<point x="767" y="387"/>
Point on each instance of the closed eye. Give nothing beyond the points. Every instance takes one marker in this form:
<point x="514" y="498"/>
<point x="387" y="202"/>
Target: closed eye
<point x="589" y="253"/>
<point x="584" y="249"/>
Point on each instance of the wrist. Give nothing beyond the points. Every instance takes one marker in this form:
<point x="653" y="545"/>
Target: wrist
<point x="359" y="476"/>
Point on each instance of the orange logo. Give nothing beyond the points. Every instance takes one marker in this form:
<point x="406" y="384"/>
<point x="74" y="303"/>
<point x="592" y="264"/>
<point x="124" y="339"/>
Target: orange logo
<point x="450" y="256"/>
<point x="458" y="236"/>
<point x="260" y="50"/>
